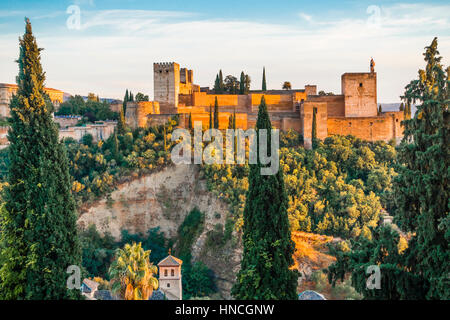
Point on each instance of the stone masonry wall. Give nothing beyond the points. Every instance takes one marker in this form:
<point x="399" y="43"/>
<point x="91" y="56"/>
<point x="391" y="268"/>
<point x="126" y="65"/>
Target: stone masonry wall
<point x="384" y="127"/>
<point x="360" y="91"/>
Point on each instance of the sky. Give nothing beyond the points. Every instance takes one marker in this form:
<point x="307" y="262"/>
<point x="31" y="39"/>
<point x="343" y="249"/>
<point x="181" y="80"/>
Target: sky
<point x="107" y="47"/>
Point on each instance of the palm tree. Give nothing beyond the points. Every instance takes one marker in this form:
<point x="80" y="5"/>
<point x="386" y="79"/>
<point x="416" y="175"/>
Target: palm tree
<point x="132" y="273"/>
<point x="287" y="85"/>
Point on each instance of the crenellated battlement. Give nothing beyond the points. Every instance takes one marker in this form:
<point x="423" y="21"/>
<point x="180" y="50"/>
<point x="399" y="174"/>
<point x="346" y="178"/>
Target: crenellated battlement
<point x="163" y="65"/>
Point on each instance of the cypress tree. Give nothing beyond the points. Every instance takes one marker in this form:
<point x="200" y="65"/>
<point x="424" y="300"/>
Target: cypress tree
<point x="216" y="114"/>
<point x="407" y="111"/>
<point x="402" y="107"/>
<point x="125" y="100"/>
<point x="242" y="83"/>
<point x="165" y="138"/>
<point x="121" y="124"/>
<point x="190" y="122"/>
<point x="421" y="188"/>
<point x="39" y="236"/>
<point x="221" y="85"/>
<point x="268" y="247"/>
<point x="115" y="147"/>
<point x="210" y="117"/>
<point x="380" y="109"/>
<point x="314" y="129"/>
<point x="264" y="85"/>
<point x="217" y="84"/>
<point x="247" y="84"/>
<point x="232" y="120"/>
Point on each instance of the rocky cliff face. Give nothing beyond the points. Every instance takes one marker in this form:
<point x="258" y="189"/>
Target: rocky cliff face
<point x="163" y="200"/>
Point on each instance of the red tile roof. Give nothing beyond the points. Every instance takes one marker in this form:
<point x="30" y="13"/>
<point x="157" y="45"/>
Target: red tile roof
<point x="170" y="261"/>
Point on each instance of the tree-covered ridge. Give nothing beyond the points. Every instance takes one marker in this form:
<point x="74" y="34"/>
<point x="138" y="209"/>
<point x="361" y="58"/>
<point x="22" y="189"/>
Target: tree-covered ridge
<point x="337" y="189"/>
<point x="418" y="269"/>
<point x="96" y="168"/>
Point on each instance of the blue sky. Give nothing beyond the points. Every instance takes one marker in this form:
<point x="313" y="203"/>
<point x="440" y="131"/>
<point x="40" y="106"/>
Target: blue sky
<point x="304" y="42"/>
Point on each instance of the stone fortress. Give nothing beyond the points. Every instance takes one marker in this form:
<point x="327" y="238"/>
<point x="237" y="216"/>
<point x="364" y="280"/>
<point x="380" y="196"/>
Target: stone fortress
<point x="7" y="90"/>
<point x="353" y="112"/>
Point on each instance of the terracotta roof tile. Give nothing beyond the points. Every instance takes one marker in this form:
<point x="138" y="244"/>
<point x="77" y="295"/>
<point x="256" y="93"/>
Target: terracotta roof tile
<point x="170" y="261"/>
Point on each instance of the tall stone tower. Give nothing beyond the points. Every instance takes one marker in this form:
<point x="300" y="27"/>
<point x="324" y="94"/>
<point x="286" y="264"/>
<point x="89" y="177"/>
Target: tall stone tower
<point x="360" y="94"/>
<point x="170" y="277"/>
<point x="166" y="81"/>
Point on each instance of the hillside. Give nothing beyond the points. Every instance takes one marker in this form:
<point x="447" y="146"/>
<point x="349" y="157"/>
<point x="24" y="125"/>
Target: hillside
<point x="163" y="200"/>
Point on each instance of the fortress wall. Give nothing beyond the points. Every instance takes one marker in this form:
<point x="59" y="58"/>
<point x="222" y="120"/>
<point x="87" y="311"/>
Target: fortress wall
<point x="136" y="112"/>
<point x="291" y="124"/>
<point x="116" y="107"/>
<point x="310" y="89"/>
<point x="279" y="122"/>
<point x="360" y="91"/>
<point x="143" y="109"/>
<point x="99" y="131"/>
<point x="397" y="118"/>
<point x="189" y="109"/>
<point x="67" y="121"/>
<point x="203" y="99"/>
<point x="385" y="127"/>
<point x="274" y="102"/>
<point x="335" y="104"/>
<point x="185" y="99"/>
<point x="241" y="119"/>
<point x="188" y="88"/>
<point x="131" y="115"/>
<point x="275" y="123"/>
<point x="306" y="116"/>
<point x="299" y="96"/>
<point x="160" y="119"/>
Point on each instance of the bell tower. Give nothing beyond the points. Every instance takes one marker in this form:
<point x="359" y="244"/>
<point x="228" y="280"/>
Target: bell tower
<point x="170" y="277"/>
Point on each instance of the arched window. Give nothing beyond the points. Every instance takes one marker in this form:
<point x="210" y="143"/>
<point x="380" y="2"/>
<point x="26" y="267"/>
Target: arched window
<point x="165" y="273"/>
<point x="168" y="285"/>
<point x="172" y="272"/>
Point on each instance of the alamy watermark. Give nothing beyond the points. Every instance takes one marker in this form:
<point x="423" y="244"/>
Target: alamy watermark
<point x="73" y="22"/>
<point x="374" y="280"/>
<point x="234" y="151"/>
<point x="74" y="279"/>
<point x="374" y="19"/>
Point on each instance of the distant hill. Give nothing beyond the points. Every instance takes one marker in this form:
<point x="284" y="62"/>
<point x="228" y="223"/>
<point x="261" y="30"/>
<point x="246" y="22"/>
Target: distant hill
<point x="66" y="97"/>
<point x="396" y="107"/>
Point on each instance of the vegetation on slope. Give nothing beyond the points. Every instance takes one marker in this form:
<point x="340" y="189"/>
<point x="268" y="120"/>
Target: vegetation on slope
<point x="420" y="268"/>
<point x="336" y="189"/>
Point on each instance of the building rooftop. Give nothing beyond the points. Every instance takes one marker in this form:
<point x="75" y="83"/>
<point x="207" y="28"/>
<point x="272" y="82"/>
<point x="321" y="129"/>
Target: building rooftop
<point x="170" y="261"/>
<point x="11" y="85"/>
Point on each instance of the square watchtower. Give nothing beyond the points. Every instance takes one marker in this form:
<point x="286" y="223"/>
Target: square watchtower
<point x="166" y="81"/>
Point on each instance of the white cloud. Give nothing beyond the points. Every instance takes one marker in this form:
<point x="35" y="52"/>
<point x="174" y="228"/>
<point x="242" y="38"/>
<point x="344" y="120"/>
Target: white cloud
<point x="122" y="53"/>
<point x="305" y="16"/>
<point x="128" y="20"/>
